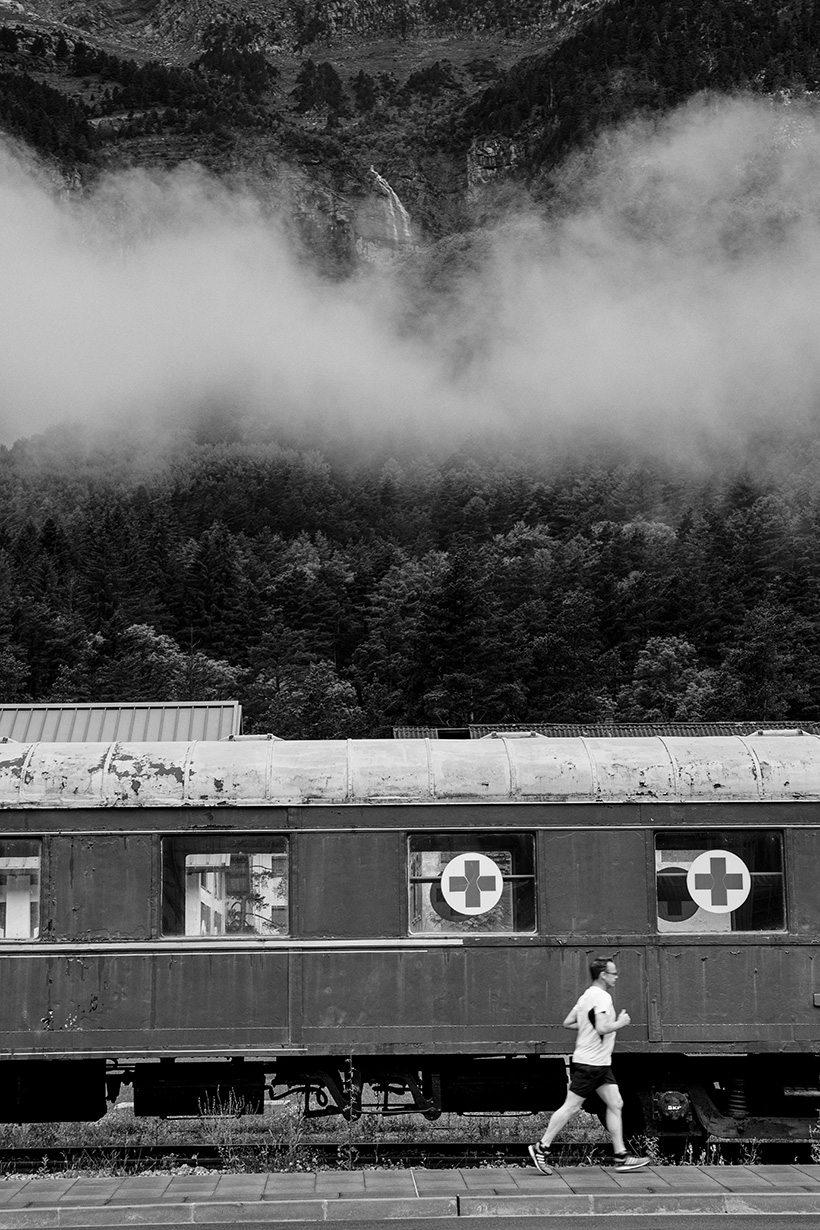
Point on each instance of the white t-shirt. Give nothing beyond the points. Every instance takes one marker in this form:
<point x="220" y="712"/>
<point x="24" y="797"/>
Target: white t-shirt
<point x="591" y="1047"/>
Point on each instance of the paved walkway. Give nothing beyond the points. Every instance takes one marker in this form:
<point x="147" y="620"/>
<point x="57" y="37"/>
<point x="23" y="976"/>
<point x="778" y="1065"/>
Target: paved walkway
<point x="220" y="1199"/>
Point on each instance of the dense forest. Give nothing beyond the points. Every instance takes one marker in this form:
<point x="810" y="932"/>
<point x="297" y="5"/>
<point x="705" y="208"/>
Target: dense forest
<point x="641" y="56"/>
<point x="339" y="599"/>
<point x="219" y="92"/>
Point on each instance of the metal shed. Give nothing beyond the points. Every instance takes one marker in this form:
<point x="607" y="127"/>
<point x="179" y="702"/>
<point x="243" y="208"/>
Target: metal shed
<point x="129" y="723"/>
<point x="603" y="730"/>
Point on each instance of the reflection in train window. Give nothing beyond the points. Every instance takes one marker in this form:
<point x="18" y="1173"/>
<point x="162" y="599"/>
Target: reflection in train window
<point x="225" y="885"/>
<point x="471" y="882"/>
<point x="711" y="882"/>
<point x="19" y="889"/>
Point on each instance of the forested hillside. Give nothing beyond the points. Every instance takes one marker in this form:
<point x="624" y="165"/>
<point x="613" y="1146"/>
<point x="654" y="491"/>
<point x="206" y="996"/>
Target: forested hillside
<point x="410" y="86"/>
<point x="675" y="308"/>
<point x="641" y="56"/>
<point x="338" y="599"/>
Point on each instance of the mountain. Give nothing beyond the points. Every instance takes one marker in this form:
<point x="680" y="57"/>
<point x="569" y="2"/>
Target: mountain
<point x="334" y="99"/>
<point x="646" y="57"/>
<point x="309" y="94"/>
<point x="316" y="505"/>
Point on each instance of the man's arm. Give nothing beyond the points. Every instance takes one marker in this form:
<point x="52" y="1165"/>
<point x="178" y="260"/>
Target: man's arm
<point x="571" y="1020"/>
<point x="604" y="1023"/>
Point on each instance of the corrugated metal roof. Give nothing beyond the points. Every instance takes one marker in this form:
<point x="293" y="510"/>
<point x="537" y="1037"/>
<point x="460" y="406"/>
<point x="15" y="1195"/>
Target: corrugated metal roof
<point x="758" y="768"/>
<point x="609" y="730"/>
<point x="135" y="723"/>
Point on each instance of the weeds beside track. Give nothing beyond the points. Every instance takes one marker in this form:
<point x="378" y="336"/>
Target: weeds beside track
<point x="257" y="1157"/>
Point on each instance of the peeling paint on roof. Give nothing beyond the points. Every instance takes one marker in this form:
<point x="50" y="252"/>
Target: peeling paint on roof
<point x="760" y="768"/>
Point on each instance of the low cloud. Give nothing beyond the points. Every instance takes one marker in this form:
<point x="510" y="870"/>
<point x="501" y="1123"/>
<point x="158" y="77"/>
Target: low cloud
<point x="666" y="294"/>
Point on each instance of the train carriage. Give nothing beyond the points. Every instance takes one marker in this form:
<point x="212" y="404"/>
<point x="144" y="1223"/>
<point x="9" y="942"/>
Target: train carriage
<point x="402" y="925"/>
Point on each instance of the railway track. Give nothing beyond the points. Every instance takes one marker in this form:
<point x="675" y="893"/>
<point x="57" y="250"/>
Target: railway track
<point x="333" y="1155"/>
<point x="237" y="1154"/>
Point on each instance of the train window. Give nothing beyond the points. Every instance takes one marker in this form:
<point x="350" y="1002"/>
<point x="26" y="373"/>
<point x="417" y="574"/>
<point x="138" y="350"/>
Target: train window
<point x="19" y="889"/>
<point x="471" y="882"/>
<point x="231" y="885"/>
<point x="720" y="880"/>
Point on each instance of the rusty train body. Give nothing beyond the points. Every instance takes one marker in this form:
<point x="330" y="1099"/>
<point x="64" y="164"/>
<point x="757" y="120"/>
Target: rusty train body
<point x="401" y="926"/>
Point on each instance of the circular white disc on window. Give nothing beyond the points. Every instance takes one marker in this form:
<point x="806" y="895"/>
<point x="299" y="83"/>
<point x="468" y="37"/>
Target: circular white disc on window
<point x="718" y="881"/>
<point x="472" y="883"/>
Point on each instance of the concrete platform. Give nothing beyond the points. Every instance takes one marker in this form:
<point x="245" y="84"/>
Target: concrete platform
<point x="215" y="1200"/>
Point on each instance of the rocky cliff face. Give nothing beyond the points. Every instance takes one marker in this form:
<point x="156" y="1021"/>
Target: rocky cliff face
<point x="490" y="160"/>
<point x="422" y="184"/>
<point x="177" y="24"/>
<point x="367" y="224"/>
<point x="381" y="225"/>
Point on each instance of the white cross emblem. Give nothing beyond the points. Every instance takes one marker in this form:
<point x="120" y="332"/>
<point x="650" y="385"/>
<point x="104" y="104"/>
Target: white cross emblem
<point x="718" y="881"/>
<point x="471" y="884"/>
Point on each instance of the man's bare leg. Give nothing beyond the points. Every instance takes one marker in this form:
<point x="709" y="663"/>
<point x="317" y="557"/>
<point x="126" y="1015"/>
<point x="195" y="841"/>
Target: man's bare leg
<point x="611" y="1095"/>
<point x="561" y="1117"/>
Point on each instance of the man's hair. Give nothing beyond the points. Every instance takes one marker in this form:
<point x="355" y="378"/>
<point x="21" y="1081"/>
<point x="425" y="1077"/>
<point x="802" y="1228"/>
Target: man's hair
<point x="598" y="967"/>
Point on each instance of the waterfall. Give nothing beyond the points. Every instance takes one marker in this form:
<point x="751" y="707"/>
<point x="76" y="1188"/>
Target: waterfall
<point x="398" y="219"/>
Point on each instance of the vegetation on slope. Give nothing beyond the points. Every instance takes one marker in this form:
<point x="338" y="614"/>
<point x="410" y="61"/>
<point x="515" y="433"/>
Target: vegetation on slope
<point x="639" y="56"/>
<point x="340" y="599"/>
<point x="335" y="598"/>
<point x="306" y="74"/>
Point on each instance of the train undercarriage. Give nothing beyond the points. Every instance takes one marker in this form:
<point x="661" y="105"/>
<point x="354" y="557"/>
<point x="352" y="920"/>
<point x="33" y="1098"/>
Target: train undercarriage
<point x="761" y="1097"/>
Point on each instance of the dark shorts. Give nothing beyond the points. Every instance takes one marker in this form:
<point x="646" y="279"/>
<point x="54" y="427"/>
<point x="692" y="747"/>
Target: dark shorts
<point x="584" y="1078"/>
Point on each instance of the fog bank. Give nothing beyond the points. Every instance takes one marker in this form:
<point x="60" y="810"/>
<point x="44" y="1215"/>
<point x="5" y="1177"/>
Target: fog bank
<point x="663" y="293"/>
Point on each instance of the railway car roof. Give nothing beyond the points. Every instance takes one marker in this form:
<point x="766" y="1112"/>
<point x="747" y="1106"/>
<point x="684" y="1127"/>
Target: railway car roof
<point x="769" y="766"/>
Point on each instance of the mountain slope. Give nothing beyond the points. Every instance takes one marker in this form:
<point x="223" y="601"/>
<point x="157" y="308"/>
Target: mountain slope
<point x="443" y="98"/>
<point x="320" y="91"/>
<point x="642" y="56"/>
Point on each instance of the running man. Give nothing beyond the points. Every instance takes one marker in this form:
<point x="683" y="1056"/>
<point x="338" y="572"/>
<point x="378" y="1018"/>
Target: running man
<point x="590" y="1072"/>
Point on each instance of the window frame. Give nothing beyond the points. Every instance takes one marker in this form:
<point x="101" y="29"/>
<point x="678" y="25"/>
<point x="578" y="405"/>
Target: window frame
<point x="487" y="837"/>
<point x="174" y="849"/>
<point x="35" y="927"/>
<point x="719" y="837"/>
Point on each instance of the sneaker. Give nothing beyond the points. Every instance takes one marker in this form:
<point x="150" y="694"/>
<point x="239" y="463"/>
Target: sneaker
<point x="627" y="1161"/>
<point x="540" y="1158"/>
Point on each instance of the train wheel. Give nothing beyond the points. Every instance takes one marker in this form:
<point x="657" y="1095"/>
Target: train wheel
<point x="431" y="1088"/>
